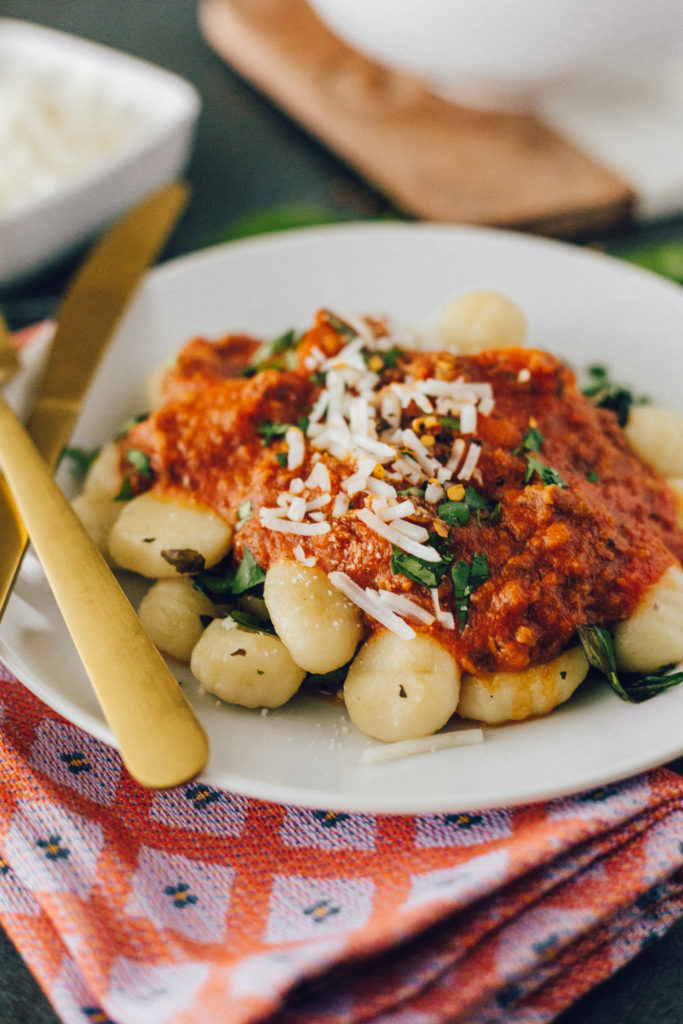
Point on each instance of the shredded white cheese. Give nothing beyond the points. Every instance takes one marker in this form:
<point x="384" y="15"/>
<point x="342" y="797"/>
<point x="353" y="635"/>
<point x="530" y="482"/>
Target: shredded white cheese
<point x="424" y="745"/>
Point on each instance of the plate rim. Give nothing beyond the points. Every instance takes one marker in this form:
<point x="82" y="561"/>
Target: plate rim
<point x="296" y="795"/>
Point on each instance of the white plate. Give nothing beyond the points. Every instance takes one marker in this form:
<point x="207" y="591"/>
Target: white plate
<point x="582" y="305"/>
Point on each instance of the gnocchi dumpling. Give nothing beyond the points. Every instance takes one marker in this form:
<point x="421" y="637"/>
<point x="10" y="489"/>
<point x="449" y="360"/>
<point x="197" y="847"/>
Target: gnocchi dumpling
<point x="173" y="614"/>
<point x="160" y="537"/>
<point x="97" y="513"/>
<point x="104" y="476"/>
<point x="515" y="696"/>
<point x="653" y="635"/>
<point x="399" y="689"/>
<point x="245" y="667"/>
<point x="656" y="436"/>
<point x="676" y="485"/>
<point x="481" y="320"/>
<point x="319" y="626"/>
<point x="96" y="506"/>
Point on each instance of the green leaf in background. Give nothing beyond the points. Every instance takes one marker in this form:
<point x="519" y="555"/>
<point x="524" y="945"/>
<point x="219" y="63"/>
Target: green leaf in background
<point x="665" y="258"/>
<point x="279" y="218"/>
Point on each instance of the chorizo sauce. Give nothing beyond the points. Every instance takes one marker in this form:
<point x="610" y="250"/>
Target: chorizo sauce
<point x="579" y="545"/>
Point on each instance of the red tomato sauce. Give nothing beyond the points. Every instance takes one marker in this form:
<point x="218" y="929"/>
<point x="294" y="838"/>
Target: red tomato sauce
<point x="559" y="556"/>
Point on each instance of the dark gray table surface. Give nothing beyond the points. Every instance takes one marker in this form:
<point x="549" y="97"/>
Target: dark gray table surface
<point x="248" y="158"/>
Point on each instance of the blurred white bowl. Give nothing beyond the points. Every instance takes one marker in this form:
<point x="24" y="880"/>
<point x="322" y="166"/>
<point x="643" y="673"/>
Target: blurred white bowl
<point x="505" y="54"/>
<point x="130" y="123"/>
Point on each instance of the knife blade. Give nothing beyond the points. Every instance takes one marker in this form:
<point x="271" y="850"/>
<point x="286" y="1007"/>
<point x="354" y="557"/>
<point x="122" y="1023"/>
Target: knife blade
<point x="93" y="306"/>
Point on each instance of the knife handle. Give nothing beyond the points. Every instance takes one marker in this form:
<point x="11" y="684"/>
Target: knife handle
<point x="160" y="739"/>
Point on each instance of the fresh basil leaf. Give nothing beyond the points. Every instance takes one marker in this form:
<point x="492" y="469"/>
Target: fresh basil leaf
<point x="249" y="621"/>
<point x="428" y="574"/>
<point x="249" y="574"/>
<point x="226" y="579"/>
<point x="281" y="457"/>
<point x="330" y="682"/>
<point x="547" y="474"/>
<point x="81" y="459"/>
<point x="216" y="582"/>
<point x="641" y="688"/>
<point x="599" y="650"/>
<point x="185" y="560"/>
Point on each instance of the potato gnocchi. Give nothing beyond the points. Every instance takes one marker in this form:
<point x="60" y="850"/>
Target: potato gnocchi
<point x="427" y="531"/>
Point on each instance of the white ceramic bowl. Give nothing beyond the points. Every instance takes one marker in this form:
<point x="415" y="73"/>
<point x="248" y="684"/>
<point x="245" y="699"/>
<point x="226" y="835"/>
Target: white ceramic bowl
<point x="506" y="53"/>
<point x="153" y="110"/>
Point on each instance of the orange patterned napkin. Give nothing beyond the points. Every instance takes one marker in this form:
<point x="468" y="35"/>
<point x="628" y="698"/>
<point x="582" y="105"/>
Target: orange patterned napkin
<point x="198" y="905"/>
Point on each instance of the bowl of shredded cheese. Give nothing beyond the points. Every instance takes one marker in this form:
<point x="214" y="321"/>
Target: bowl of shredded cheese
<point x="85" y="131"/>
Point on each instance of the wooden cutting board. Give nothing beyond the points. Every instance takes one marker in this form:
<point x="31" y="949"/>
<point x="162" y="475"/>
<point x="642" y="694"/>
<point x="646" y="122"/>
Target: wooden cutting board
<point x="433" y="159"/>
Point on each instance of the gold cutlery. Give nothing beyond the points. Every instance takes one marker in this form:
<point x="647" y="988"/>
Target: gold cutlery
<point x="87" y="317"/>
<point x="159" y="737"/>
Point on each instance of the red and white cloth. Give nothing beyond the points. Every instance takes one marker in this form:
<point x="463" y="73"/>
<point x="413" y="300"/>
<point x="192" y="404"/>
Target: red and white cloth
<point x="199" y="906"/>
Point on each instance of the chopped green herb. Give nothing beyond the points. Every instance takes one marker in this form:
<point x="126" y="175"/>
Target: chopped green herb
<point x="318" y="377"/>
<point x="340" y="326"/>
<point x="467" y="576"/>
<point x="281" y="457"/>
<point x="592" y="476"/>
<point x="428" y="574"/>
<point x="244" y="512"/>
<point x="139" y="461"/>
<point x="531" y="442"/>
<point x="547" y="474"/>
<point x="126" y="492"/>
<point x="389" y="356"/>
<point x="269" y="431"/>
<point x="449" y="422"/>
<point x="264" y="358"/>
<point x="415" y="492"/>
<point x="81" y="459"/>
<point x="455" y="513"/>
<point x="607" y="395"/>
<point x="128" y="425"/>
<point x="599" y="649"/>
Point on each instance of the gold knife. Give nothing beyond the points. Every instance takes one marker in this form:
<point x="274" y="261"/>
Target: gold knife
<point x="160" y="739"/>
<point x="88" y="315"/>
